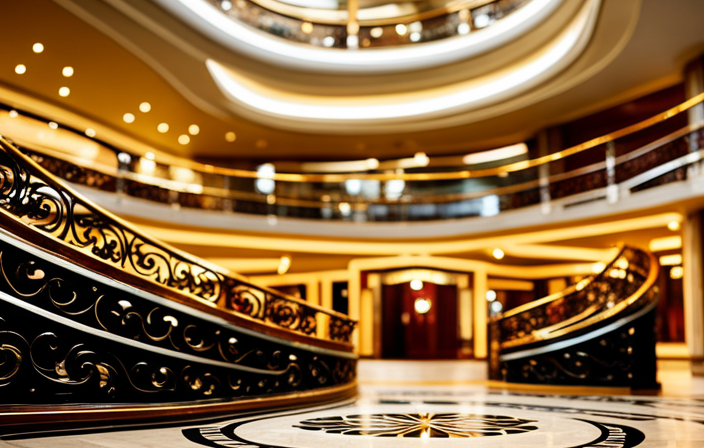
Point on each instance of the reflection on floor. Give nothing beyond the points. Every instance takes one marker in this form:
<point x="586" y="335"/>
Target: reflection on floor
<point x="425" y="404"/>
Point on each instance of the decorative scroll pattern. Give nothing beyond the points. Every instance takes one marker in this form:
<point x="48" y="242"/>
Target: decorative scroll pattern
<point x="57" y="212"/>
<point x="420" y="425"/>
<point x="83" y="300"/>
<point x="46" y="362"/>
<point x="619" y="280"/>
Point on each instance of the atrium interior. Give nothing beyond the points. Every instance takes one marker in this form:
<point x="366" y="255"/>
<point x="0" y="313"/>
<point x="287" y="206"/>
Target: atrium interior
<point x="301" y="223"/>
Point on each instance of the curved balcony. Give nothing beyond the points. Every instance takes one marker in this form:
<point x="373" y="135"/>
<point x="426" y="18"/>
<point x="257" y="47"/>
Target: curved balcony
<point x="609" y="168"/>
<point x="598" y="332"/>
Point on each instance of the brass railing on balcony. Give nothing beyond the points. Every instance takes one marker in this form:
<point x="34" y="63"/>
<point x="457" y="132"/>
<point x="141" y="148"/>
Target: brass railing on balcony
<point x="599" y="331"/>
<point x="36" y="205"/>
<point x="617" y="168"/>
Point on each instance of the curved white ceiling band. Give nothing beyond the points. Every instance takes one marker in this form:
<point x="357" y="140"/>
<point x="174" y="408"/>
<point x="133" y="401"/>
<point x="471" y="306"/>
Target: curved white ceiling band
<point x="211" y="22"/>
<point x="553" y="57"/>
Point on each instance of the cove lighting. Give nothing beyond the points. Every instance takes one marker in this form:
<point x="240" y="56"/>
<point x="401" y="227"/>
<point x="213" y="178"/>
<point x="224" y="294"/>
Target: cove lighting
<point x="454" y="97"/>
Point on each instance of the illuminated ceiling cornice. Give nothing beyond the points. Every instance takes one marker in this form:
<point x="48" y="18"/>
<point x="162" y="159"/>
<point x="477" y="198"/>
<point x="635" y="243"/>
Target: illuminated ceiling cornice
<point x="345" y="113"/>
<point x="241" y="38"/>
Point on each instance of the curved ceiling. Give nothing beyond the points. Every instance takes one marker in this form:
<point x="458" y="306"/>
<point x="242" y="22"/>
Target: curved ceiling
<point x="637" y="47"/>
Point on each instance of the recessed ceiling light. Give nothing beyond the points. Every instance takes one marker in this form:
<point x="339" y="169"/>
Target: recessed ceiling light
<point x="129" y="118"/>
<point x="149" y="155"/>
<point x="145" y="107"/>
<point x="13" y="114"/>
<point x="163" y="128"/>
<point x="184" y="139"/>
<point x="230" y="137"/>
<point x="328" y="41"/>
<point x="415" y="37"/>
<point x="193" y="129"/>
<point x="67" y="72"/>
<point x="498" y="253"/>
<point x="401" y="29"/>
<point x="53" y="125"/>
<point x="463" y="28"/>
<point x="21" y="69"/>
<point x="673" y="225"/>
<point x="64" y="91"/>
<point x="37" y="48"/>
<point x="90" y="132"/>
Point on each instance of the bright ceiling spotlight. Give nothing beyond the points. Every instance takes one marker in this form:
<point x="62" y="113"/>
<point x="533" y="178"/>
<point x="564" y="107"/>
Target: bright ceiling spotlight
<point x="401" y="29"/>
<point x="163" y="128"/>
<point x="498" y="253"/>
<point x="64" y="92"/>
<point x="53" y="125"/>
<point x="90" y="132"/>
<point x="673" y="225"/>
<point x="422" y="306"/>
<point x="463" y="28"/>
<point x="145" y="107"/>
<point x="149" y="155"/>
<point x="372" y="164"/>
<point x="193" y="129"/>
<point x="416" y="284"/>
<point x="184" y="139"/>
<point x="676" y="273"/>
<point x="128" y="118"/>
<point x="14" y="114"/>
<point x="345" y="208"/>
<point x="20" y="69"/>
<point x="376" y="32"/>
<point x="496" y="307"/>
<point x="490" y="295"/>
<point x="67" y="71"/>
<point x="37" y="48"/>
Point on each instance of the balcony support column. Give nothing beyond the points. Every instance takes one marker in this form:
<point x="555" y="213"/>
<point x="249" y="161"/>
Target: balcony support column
<point x="693" y="290"/>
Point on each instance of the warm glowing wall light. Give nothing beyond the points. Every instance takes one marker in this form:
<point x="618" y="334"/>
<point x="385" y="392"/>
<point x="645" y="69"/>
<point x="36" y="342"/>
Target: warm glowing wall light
<point x="598" y="267"/>
<point x="422" y="306"/>
<point x="498" y="253"/>
<point x="671" y="260"/>
<point x="284" y="265"/>
<point x="666" y="243"/>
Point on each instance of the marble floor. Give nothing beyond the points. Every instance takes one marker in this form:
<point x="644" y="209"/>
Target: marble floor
<point x="440" y="404"/>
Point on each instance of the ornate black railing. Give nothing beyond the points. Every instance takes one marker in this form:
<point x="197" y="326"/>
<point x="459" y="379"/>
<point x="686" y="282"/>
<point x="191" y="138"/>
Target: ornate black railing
<point x="600" y="331"/>
<point x="31" y="195"/>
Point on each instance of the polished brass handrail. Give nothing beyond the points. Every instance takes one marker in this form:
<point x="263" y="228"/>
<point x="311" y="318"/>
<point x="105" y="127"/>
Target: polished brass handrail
<point x="42" y="203"/>
<point x="452" y="175"/>
<point x="223" y="193"/>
